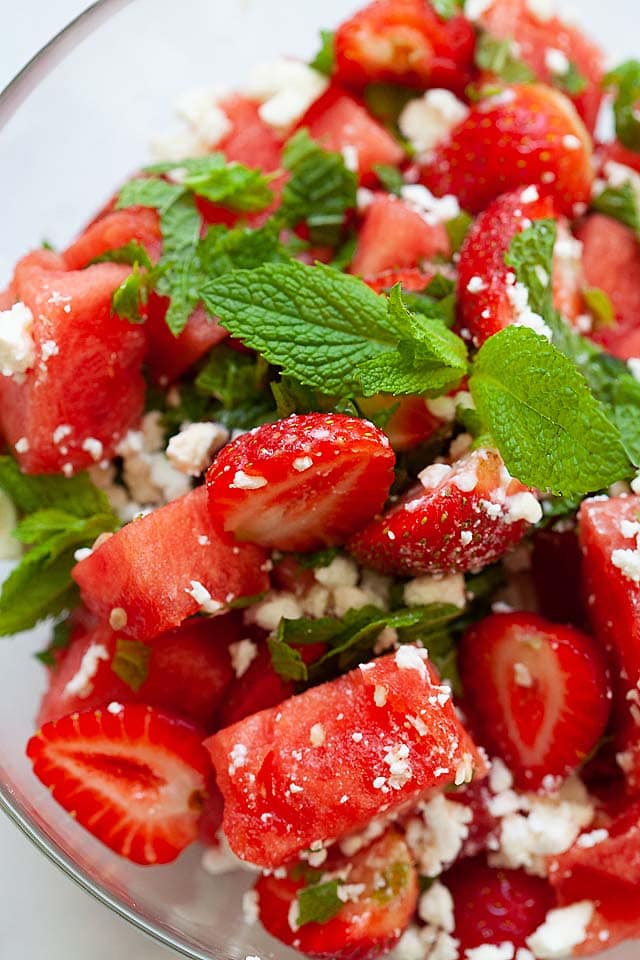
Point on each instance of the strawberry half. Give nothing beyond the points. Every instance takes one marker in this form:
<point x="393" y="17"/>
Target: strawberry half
<point x="526" y="134"/>
<point x="134" y="777"/>
<point x="487" y="300"/>
<point x="462" y="517"/>
<point x="537" y="693"/>
<point x="301" y="483"/>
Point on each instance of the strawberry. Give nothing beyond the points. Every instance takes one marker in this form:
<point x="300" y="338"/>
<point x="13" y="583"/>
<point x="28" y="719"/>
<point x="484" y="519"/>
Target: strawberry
<point x="608" y="538"/>
<point x="541" y="43"/>
<point x="496" y="906"/>
<point x="486" y="295"/>
<point x="526" y="134"/>
<point x="404" y="41"/>
<point x="462" y="517"/>
<point x="395" y="235"/>
<point x="537" y="693"/>
<point x="385" y="891"/>
<point x="409" y="424"/>
<point x="301" y="483"/>
<point x="134" y="777"/>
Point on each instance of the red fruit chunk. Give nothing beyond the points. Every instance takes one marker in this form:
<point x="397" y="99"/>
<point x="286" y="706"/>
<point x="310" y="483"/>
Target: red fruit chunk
<point x="404" y="41"/>
<point x="409" y="425"/>
<point x="485" y="282"/>
<point x="386" y="718"/>
<point x="116" y="229"/>
<point x="337" y="121"/>
<point x="484" y="826"/>
<point x="189" y="669"/>
<point x="301" y="483"/>
<point x="251" y="141"/>
<point x="395" y="236"/>
<point x="611" y="261"/>
<point x="613" y="604"/>
<point x="496" y="906"/>
<point x="513" y="20"/>
<point x="134" y="778"/>
<point x="84" y="358"/>
<point x="411" y="279"/>
<point x="526" y="134"/>
<point x="170" y="356"/>
<point x="211" y="816"/>
<point x="618" y="154"/>
<point x="556" y="573"/>
<point x="365" y="927"/>
<point x="257" y="689"/>
<point x="153" y="566"/>
<point x="608" y="874"/>
<point x="537" y="694"/>
<point x="462" y="517"/>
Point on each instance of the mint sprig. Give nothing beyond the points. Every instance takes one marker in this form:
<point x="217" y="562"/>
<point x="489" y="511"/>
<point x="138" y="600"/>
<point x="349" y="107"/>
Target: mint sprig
<point x="131" y="662"/>
<point x="621" y="203"/>
<point x="319" y="903"/>
<point x="626" y="81"/>
<point x="496" y="56"/>
<point x="324" y="60"/>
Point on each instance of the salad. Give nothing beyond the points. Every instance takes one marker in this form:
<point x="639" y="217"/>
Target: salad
<point x="321" y="454"/>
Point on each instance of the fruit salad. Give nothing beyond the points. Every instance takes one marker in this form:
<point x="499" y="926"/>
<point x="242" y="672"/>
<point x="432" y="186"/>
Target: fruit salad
<point x="321" y="450"/>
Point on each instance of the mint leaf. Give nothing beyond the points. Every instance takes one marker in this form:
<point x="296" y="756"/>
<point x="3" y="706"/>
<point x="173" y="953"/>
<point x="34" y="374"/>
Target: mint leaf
<point x="131" y="662"/>
<point x="621" y="203"/>
<point x="626" y="80"/>
<point x="497" y="57"/>
<point x="319" y="903"/>
<point x="531" y="256"/>
<point x="324" y="60"/>
<point x="148" y="192"/>
<point x="626" y="415"/>
<point x="230" y="184"/>
<point x="599" y="304"/>
<point x="447" y="9"/>
<point x="572" y="82"/>
<point x="60" y="640"/>
<point x="291" y="396"/>
<point x="315" y="323"/>
<point x="390" y="177"/>
<point x="233" y="378"/>
<point x="319" y="191"/>
<point x="386" y="101"/>
<point x="132" y="253"/>
<point x="457" y="229"/>
<point x="133" y="294"/>
<point x="551" y="431"/>
<point x="29" y="492"/>
<point x="179" y="278"/>
<point x="286" y="661"/>
<point x="222" y="250"/>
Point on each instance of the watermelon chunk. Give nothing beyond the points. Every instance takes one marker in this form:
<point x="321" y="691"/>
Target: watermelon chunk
<point x="393" y="235"/>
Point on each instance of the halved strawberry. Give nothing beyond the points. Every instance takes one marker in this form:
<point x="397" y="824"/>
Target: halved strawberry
<point x="396" y="236"/>
<point x="537" y="693"/>
<point x="134" y="777"/>
<point x="487" y="297"/>
<point x="462" y="517"/>
<point x="495" y="906"/>
<point x="404" y="41"/>
<point x="526" y="134"/>
<point x="380" y="896"/>
<point x="338" y="121"/>
<point x="301" y="483"/>
<point x="550" y="47"/>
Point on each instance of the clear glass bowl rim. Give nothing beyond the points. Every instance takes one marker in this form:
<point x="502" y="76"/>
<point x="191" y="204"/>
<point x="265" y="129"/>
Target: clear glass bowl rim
<point x="11" y="97"/>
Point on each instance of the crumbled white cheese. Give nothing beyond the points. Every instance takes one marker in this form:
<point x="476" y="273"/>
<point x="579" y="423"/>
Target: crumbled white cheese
<point x="429" y="120"/>
<point x="350" y="157"/>
<point x="244" y="481"/>
<point x="518" y="295"/>
<point x="444" y="408"/>
<point x="436" y="907"/>
<point x="17" y="347"/>
<point x="530" y="195"/>
<point x="238" y="757"/>
<point x="446" y="589"/>
<point x="588" y="840"/>
<point x="49" y="349"/>
<point x="500" y="777"/>
<point x="268" y="613"/>
<point x="433" y="210"/>
<point x="285" y="89"/>
<point x="176" y="146"/>
<point x="208" y="121"/>
<point x="490" y="951"/>
<point x="400" y="772"/>
<point x="9" y="547"/>
<point x="191" y="450"/>
<point x="633" y="363"/>
<point x="562" y="930"/>
<point x="628" y="561"/>
<point x="474" y="9"/>
<point x="410" y="657"/>
<point x="464" y="770"/>
<point x="435" y="836"/>
<point x="433" y="475"/>
<point x="22" y="445"/>
<point x="203" y="598"/>
<point x="556" y="62"/>
<point x="242" y="653"/>
<point x="81" y="684"/>
<point x="341" y="572"/>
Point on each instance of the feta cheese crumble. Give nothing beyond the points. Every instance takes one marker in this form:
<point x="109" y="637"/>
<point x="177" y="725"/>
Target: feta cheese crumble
<point x="17" y="347"/>
<point x="556" y="62"/>
<point x="191" y="450"/>
<point x="429" y="120"/>
<point x="437" y="589"/>
<point x="562" y="930"/>
<point x="81" y="684"/>
<point x="242" y="653"/>
<point x="285" y="89"/>
<point x="203" y="598"/>
<point x="243" y="481"/>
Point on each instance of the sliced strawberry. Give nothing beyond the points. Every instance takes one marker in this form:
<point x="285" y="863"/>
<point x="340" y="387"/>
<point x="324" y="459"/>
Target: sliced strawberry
<point x="404" y="41"/>
<point x="338" y="121"/>
<point x="116" y="229"/>
<point x="556" y="574"/>
<point x="461" y="517"/>
<point x="160" y="568"/>
<point x="383" y="888"/>
<point x="394" y="235"/>
<point x="282" y="771"/>
<point x="410" y="423"/>
<point x="611" y="261"/>
<point x="527" y="134"/>
<point x="188" y="670"/>
<point x="487" y="300"/>
<point x="496" y="906"/>
<point x="538" y="43"/>
<point x="605" y="870"/>
<point x="537" y="693"/>
<point x="134" y="777"/>
<point x="301" y="483"/>
<point x="609" y="547"/>
<point x="412" y="279"/>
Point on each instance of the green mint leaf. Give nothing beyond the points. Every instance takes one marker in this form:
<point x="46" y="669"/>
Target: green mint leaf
<point x="180" y="277"/>
<point x="319" y="903"/>
<point x="225" y="182"/>
<point x="390" y="177"/>
<point x="345" y="252"/>
<point x="232" y="378"/>
<point x="324" y="60"/>
<point x="319" y="191"/>
<point x="626" y="415"/>
<point x="148" y="192"/>
<point x="60" y="639"/>
<point x="531" y="256"/>
<point x="626" y="80"/>
<point x="621" y="203"/>
<point x="447" y="9"/>
<point x="551" y="431"/>
<point x="572" y="82"/>
<point x="223" y="250"/>
<point x="386" y="101"/>
<point x="600" y="306"/>
<point x="75" y="495"/>
<point x="132" y="253"/>
<point x="496" y="56"/>
<point x="132" y="295"/>
<point x="291" y="396"/>
<point x="286" y="661"/>
<point x="315" y="323"/>
<point x="131" y="662"/>
<point x="321" y="558"/>
<point x="457" y="229"/>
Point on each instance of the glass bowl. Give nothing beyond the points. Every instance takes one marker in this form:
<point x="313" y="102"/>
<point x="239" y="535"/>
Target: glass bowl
<point x="74" y="123"/>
